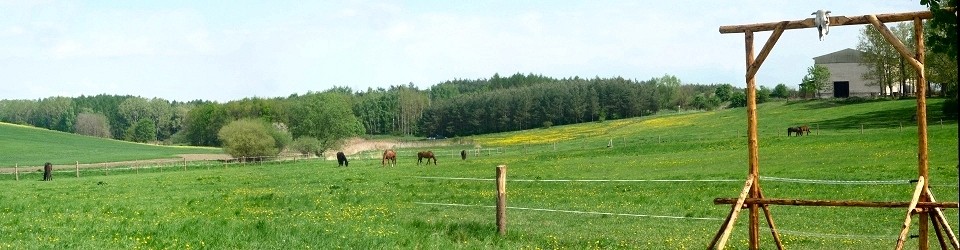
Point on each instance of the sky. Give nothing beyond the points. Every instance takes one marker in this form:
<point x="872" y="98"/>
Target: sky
<point x="230" y="50"/>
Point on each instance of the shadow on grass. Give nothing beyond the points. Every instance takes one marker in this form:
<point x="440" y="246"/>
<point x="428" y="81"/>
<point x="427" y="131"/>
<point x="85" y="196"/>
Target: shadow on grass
<point x="458" y="231"/>
<point x="892" y="118"/>
<point x="811" y="104"/>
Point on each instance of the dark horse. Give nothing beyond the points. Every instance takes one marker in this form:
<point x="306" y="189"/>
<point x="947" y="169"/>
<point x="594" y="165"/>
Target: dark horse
<point x="48" y="172"/>
<point x="342" y="160"/>
<point x="463" y="154"/>
<point x="390" y="155"/>
<point x="428" y="155"/>
<point x="798" y="130"/>
<point x="794" y="130"/>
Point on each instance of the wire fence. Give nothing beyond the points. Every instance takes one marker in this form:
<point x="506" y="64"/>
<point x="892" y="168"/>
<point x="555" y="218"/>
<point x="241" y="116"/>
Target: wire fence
<point x="78" y="169"/>
<point x="767" y="178"/>
<point x="772" y="179"/>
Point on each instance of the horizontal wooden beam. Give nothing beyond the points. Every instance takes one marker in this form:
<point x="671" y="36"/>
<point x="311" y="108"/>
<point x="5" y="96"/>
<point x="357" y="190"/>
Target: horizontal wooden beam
<point x="834" y="21"/>
<point x="794" y="202"/>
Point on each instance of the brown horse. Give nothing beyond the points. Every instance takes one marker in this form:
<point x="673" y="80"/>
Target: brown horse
<point x="47" y="172"/>
<point x="804" y="128"/>
<point x="428" y="155"/>
<point x="389" y="155"/>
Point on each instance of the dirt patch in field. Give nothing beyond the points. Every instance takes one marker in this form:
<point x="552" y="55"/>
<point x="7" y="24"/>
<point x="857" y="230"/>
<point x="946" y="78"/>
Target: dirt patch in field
<point x="355" y="145"/>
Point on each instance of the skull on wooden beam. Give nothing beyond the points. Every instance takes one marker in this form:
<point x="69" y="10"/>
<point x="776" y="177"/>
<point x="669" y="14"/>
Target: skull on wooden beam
<point x="822" y="21"/>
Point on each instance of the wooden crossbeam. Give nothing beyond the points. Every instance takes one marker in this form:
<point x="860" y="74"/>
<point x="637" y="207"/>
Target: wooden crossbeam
<point x="829" y="203"/>
<point x="834" y="21"/>
<point x="772" y="40"/>
<point x="897" y="44"/>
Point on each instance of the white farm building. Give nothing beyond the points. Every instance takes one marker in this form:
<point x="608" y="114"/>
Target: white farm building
<point x="846" y="76"/>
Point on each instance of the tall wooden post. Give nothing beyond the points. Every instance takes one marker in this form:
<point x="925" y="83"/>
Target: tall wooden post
<point x="78" y="169"/>
<point x="922" y="129"/>
<point x="752" y="144"/>
<point x="502" y="200"/>
<point x="16" y="171"/>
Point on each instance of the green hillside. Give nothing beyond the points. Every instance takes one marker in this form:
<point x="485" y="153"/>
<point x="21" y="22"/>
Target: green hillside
<point x="33" y="146"/>
<point x="662" y="174"/>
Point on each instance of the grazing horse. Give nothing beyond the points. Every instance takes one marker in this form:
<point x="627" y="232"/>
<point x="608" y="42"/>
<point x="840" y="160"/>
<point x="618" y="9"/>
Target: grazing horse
<point x="48" y="172"/>
<point x="342" y="160"/>
<point x="804" y="128"/>
<point x="463" y="154"/>
<point x="796" y="130"/>
<point x="389" y="155"/>
<point x="428" y="155"/>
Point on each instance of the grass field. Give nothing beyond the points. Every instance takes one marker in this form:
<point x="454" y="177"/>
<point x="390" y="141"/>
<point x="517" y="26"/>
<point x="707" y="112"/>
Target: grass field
<point x="314" y="204"/>
<point x="34" y="146"/>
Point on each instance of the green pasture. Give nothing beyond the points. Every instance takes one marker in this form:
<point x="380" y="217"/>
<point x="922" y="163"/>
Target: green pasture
<point x="35" y="146"/>
<point x="314" y="204"/>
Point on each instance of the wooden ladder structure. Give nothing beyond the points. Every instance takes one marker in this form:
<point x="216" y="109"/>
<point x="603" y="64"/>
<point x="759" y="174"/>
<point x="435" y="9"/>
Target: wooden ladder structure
<point x="751" y="197"/>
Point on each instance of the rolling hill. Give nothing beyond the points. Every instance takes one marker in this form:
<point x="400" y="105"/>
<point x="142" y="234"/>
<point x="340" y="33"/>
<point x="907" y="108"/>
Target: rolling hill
<point x="34" y="146"/>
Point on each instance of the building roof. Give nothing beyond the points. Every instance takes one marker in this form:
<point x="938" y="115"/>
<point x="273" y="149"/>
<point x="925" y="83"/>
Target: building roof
<point x="842" y="56"/>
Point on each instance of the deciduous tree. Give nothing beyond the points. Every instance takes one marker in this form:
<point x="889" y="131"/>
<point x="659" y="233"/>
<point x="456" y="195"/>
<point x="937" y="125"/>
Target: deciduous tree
<point x="816" y="80"/>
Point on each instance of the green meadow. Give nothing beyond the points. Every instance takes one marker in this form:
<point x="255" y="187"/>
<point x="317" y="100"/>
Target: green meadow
<point x="34" y="146"/>
<point x="641" y="183"/>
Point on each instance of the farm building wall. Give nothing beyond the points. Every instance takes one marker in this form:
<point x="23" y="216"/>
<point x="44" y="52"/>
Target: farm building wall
<point x="844" y="66"/>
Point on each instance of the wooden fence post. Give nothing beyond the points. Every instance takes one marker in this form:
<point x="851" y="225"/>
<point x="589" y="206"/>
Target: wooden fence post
<point x="861" y="128"/>
<point x="502" y="200"/>
<point x="16" y="171"/>
<point x="78" y="169"/>
<point x="184" y="163"/>
<point x="104" y="169"/>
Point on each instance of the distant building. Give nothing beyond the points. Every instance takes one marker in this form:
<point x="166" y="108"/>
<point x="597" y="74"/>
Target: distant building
<point x="846" y="76"/>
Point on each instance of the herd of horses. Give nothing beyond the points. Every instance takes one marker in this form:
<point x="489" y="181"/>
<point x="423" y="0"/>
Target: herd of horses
<point x="390" y="156"/>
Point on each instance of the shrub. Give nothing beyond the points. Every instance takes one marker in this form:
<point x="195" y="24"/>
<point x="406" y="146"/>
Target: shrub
<point x="763" y="95"/>
<point x="306" y="145"/>
<point x="280" y="135"/>
<point x="950" y="108"/>
<point x="247" y="138"/>
<point x="780" y="91"/>
<point x="93" y="125"/>
<point x="738" y="99"/>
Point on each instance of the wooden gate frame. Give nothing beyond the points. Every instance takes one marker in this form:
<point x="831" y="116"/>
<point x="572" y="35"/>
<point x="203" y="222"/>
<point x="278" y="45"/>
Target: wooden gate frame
<point x="922" y="201"/>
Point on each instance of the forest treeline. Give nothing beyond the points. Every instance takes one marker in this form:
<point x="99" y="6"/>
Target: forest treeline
<point x="448" y="109"/>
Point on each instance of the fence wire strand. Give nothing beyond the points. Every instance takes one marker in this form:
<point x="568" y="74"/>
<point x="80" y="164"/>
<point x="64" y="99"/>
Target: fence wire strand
<point x="572" y="211"/>
<point x="781" y="231"/>
<point x="766" y="178"/>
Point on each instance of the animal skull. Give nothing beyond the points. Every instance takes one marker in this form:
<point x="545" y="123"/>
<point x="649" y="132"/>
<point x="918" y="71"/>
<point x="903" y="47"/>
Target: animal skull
<point x="822" y="21"/>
